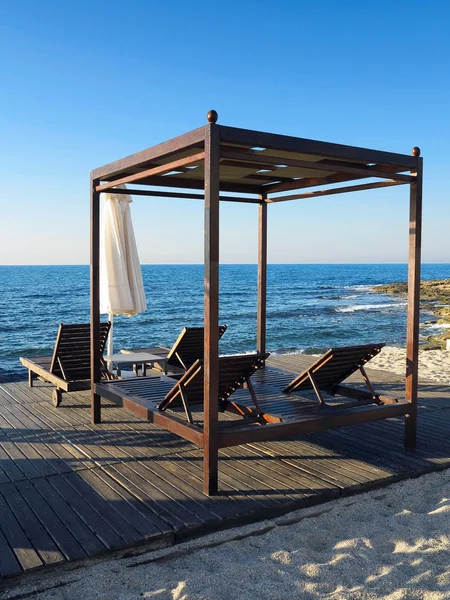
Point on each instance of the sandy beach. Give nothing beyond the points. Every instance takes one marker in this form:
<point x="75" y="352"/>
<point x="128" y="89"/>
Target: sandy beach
<point x="434" y="365"/>
<point x="392" y="543"/>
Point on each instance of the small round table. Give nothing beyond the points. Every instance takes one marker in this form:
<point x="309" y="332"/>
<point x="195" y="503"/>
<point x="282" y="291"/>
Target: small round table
<point x="137" y="359"/>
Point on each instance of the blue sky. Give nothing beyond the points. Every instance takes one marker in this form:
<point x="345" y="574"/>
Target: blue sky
<point x="85" y="83"/>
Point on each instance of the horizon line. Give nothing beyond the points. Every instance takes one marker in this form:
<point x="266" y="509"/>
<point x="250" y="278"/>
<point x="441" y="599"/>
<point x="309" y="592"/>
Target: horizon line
<point x="226" y="264"/>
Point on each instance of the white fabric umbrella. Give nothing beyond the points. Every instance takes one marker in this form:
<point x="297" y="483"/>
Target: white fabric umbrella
<point x="121" y="287"/>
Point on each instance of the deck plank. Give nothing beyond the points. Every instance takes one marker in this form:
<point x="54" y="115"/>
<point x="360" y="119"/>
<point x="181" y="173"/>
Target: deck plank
<point x="23" y="549"/>
<point x="32" y="526"/>
<point x="65" y="541"/>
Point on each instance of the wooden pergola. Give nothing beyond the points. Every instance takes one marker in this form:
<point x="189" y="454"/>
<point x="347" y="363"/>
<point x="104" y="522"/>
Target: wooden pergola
<point x="220" y="164"/>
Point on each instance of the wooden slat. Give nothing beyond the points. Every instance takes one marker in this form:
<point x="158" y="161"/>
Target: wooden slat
<point x="321" y="166"/>
<point x="341" y="190"/>
<point x="9" y="564"/>
<point x="78" y="529"/>
<point x="86" y="512"/>
<point x="159" y="170"/>
<point x="308" y="182"/>
<point x="33" y="528"/>
<point x="259" y="139"/>
<point x="182" y="195"/>
<point x="14" y="533"/>
<point x="65" y="541"/>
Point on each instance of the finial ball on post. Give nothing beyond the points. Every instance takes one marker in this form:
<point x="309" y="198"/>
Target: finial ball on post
<point x="212" y="116"/>
<point x="416" y="151"/>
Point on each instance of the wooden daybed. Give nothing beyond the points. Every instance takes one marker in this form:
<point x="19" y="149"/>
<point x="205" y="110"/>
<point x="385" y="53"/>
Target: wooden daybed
<point x="216" y="163"/>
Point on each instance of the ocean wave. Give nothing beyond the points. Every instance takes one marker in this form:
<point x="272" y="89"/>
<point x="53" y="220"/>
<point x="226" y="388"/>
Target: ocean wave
<point x="360" y="288"/>
<point x="284" y="352"/>
<point x="350" y="309"/>
<point x="436" y="326"/>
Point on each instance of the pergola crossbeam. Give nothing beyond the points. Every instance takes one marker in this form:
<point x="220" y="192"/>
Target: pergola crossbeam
<point x="341" y="190"/>
<point x="182" y="142"/>
<point x="196" y="184"/>
<point x="179" y="195"/>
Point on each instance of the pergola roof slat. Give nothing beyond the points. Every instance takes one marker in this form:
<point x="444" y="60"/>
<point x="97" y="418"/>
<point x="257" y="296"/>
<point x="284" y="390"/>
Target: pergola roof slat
<point x="316" y="180"/>
<point x="321" y="166"/>
<point x="288" y="143"/>
<point x="159" y="170"/>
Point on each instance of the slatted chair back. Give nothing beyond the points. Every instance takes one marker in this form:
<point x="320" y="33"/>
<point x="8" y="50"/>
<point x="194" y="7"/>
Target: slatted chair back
<point x="334" y="367"/>
<point x="71" y="358"/>
<point x="234" y="372"/>
<point x="189" y="347"/>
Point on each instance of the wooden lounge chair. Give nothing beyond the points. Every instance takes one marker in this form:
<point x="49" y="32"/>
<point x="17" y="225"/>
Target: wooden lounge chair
<point x="234" y="373"/>
<point x="328" y="373"/>
<point x="69" y="368"/>
<point x="187" y="348"/>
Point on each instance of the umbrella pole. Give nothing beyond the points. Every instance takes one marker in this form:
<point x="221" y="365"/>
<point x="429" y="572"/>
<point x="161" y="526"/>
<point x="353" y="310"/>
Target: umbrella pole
<point x="111" y="334"/>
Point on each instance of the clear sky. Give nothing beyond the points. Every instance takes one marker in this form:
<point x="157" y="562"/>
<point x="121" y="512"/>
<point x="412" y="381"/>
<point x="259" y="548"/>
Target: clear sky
<point x="84" y="83"/>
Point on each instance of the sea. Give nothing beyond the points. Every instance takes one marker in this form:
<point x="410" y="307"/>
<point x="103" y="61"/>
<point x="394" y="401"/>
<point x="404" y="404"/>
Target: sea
<point x="310" y="308"/>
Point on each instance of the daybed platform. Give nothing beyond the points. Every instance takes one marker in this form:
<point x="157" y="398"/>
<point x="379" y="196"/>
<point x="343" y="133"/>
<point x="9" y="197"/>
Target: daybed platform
<point x="286" y="415"/>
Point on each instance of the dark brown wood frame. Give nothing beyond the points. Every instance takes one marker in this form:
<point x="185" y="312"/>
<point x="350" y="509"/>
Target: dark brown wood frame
<point x="348" y="164"/>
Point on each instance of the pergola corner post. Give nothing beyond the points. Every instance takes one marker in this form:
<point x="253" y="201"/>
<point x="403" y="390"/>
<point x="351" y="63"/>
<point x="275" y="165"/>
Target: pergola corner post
<point x="412" y="341"/>
<point x="262" y="275"/>
<point x="95" y="300"/>
<point x="211" y="307"/>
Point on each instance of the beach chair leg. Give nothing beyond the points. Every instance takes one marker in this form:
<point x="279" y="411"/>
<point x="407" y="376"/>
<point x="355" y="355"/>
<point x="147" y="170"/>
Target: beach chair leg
<point x="30" y="378"/>
<point x="410" y="431"/>
<point x="316" y="388"/>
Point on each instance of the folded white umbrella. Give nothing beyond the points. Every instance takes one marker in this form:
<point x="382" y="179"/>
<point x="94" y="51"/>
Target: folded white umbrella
<point x="121" y="286"/>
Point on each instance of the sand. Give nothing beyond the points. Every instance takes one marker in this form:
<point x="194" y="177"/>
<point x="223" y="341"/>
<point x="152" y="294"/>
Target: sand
<point x="392" y="543"/>
<point x="434" y="365"/>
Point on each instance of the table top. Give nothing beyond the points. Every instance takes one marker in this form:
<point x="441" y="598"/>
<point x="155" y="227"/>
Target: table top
<point x="132" y="357"/>
<point x="158" y="350"/>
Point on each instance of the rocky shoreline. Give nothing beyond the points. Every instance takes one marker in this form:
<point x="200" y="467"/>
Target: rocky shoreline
<point x="434" y="298"/>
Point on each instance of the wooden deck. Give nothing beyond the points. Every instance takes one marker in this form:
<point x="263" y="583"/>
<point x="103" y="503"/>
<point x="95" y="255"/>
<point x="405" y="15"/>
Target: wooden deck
<point x="70" y="489"/>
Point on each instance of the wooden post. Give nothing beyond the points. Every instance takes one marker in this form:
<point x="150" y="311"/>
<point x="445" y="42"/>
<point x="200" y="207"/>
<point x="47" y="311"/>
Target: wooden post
<point x="211" y="300"/>
<point x="95" y="300"/>
<point x="412" y="341"/>
<point x="262" y="275"/>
